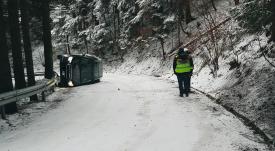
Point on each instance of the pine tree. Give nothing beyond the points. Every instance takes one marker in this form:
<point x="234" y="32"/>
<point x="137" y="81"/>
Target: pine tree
<point x="48" y="53"/>
<point x="5" y="72"/>
<point x="27" y="44"/>
<point x="16" y="44"/>
<point x="273" y="20"/>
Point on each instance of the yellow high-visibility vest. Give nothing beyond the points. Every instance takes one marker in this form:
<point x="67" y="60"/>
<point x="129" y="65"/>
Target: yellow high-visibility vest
<point x="183" y="67"/>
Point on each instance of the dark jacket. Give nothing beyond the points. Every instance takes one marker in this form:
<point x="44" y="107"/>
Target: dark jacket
<point x="175" y="63"/>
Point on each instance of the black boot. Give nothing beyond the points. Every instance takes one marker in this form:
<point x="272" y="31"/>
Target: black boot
<point x="187" y="94"/>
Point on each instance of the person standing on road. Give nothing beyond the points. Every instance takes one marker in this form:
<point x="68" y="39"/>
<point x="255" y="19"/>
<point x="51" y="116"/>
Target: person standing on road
<point x="183" y="68"/>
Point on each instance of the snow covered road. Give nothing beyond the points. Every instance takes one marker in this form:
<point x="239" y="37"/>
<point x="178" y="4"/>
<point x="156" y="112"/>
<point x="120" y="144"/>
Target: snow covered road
<point x="132" y="113"/>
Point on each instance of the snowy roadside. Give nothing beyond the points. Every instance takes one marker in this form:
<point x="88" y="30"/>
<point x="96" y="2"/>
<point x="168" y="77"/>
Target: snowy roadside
<point x="30" y="111"/>
<point x="248" y="89"/>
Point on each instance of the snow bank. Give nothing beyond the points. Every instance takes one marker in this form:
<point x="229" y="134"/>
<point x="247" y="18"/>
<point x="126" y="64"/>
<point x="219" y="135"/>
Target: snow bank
<point x="30" y="111"/>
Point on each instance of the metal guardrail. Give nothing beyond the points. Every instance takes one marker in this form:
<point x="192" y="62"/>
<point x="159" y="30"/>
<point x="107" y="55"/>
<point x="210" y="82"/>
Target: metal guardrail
<point x="16" y="95"/>
<point x="35" y="74"/>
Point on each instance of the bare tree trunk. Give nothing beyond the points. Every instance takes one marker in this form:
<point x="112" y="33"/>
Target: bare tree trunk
<point x="172" y="40"/>
<point x="273" y="20"/>
<point x="178" y="26"/>
<point x="68" y="45"/>
<point x="86" y="44"/>
<point x="237" y="2"/>
<point x="115" y="30"/>
<point x="118" y="23"/>
<point x="85" y="36"/>
<point x="182" y="29"/>
<point x="16" y="44"/>
<point x="161" y="40"/>
<point x="5" y="72"/>
<point x="47" y="39"/>
<point x="179" y="18"/>
<point x="213" y="5"/>
<point x="27" y="45"/>
<point x="163" y="51"/>
<point x="188" y="15"/>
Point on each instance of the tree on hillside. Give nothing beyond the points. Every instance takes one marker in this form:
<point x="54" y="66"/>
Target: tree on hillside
<point x="5" y="72"/>
<point x="14" y="27"/>
<point x="188" y="16"/>
<point x="213" y="5"/>
<point x="111" y="26"/>
<point x="27" y="44"/>
<point x="179" y="18"/>
<point x="273" y="20"/>
<point x="237" y="2"/>
<point x="47" y="39"/>
<point x="116" y="28"/>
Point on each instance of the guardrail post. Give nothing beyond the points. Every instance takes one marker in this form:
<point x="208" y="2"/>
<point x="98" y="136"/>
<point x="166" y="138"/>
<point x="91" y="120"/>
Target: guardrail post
<point x="52" y="89"/>
<point x="3" y="113"/>
<point x="43" y="96"/>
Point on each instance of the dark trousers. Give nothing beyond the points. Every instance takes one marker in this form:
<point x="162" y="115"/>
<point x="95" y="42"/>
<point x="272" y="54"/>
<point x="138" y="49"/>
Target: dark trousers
<point x="184" y="83"/>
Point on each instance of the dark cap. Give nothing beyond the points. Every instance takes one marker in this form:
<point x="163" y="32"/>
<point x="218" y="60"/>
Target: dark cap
<point x="181" y="52"/>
